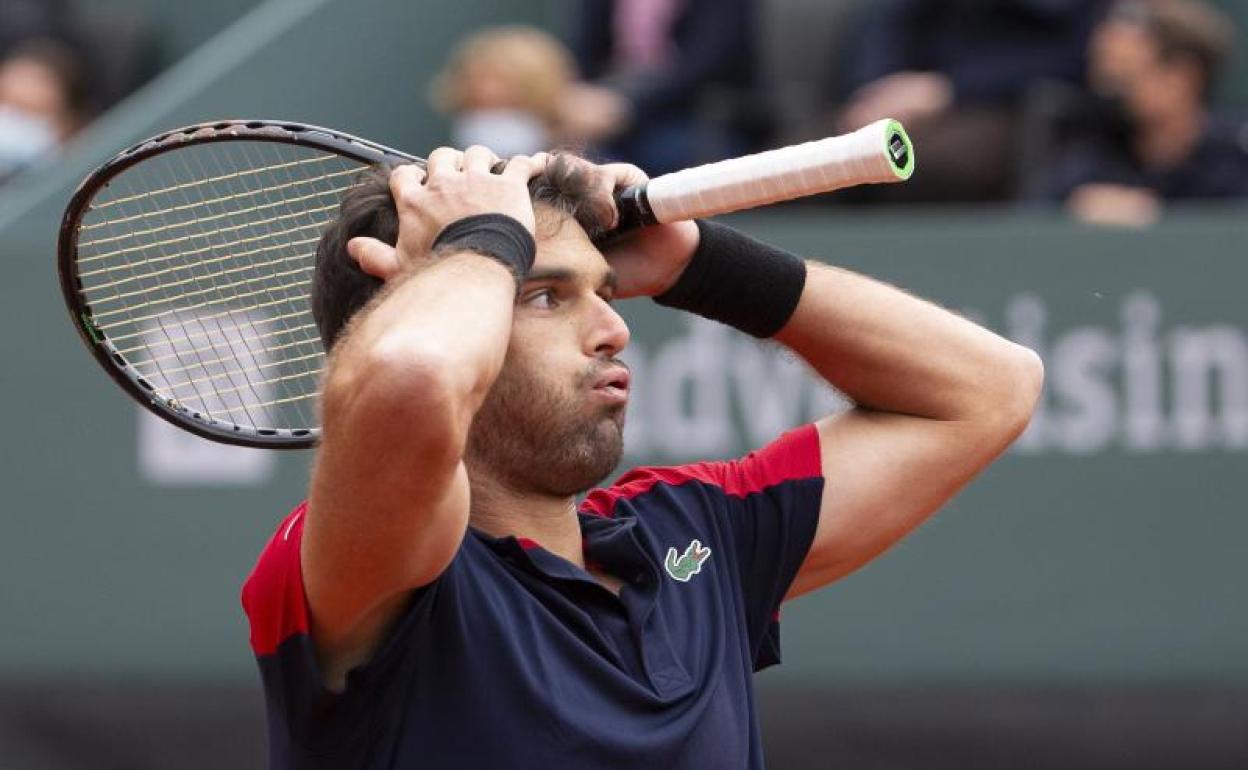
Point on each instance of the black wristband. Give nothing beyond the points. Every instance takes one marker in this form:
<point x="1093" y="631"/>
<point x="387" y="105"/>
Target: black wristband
<point x="738" y="281"/>
<point x="494" y="235"/>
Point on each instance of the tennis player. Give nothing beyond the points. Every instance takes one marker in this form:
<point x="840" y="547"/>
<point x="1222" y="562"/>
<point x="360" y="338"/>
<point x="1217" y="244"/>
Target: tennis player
<point x="442" y="601"/>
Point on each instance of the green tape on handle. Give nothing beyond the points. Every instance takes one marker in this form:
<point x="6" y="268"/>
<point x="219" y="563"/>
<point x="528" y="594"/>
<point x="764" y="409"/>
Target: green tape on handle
<point x="900" y="150"/>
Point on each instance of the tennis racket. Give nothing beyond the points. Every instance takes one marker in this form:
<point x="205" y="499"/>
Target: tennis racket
<point x="186" y="261"/>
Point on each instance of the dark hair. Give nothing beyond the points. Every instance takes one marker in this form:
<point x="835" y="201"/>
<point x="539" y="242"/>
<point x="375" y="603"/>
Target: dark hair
<point x="1185" y="29"/>
<point x="340" y="288"/>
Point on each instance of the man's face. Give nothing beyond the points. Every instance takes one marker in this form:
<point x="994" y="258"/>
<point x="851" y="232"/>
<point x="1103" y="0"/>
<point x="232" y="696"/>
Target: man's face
<point x="33" y="89"/>
<point x="554" y="421"/>
<point x="1126" y="63"/>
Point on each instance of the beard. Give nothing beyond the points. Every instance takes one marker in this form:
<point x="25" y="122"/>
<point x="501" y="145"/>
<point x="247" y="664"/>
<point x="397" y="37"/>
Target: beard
<point x="534" y="436"/>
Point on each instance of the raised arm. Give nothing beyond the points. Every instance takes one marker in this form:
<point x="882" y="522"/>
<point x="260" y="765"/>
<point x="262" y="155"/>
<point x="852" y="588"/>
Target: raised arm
<point x="938" y="398"/>
<point x="388" y="505"/>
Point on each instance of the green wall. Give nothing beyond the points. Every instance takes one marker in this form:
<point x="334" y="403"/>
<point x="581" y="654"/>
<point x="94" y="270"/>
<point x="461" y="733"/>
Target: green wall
<point x="1233" y="91"/>
<point x="179" y="26"/>
<point x="1107" y="548"/>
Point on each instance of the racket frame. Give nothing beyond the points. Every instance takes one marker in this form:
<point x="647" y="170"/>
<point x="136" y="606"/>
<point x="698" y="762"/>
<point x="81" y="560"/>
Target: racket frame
<point x="634" y="204"/>
<point x="123" y="372"/>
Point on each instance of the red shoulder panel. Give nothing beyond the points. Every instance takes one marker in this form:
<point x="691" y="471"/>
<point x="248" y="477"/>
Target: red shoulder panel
<point x="795" y="455"/>
<point x="273" y="595"/>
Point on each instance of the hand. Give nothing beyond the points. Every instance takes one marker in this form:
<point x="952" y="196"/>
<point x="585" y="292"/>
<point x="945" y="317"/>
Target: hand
<point x="588" y="113"/>
<point x="649" y="261"/>
<point x="906" y="96"/>
<point x="453" y="185"/>
<point x="1114" y="204"/>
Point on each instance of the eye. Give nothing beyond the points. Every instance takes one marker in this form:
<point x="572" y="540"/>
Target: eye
<point x="542" y="299"/>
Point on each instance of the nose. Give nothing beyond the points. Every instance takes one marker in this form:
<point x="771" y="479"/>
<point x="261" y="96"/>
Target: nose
<point x="608" y="333"/>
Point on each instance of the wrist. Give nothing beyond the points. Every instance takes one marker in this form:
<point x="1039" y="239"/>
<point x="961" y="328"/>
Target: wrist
<point x="738" y="281"/>
<point x="686" y="237"/>
<point x="498" y="236"/>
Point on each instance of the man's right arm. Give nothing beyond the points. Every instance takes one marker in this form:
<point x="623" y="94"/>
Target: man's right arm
<point x="388" y="505"/>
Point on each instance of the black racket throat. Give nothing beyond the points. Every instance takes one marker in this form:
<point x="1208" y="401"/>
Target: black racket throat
<point x="633" y="205"/>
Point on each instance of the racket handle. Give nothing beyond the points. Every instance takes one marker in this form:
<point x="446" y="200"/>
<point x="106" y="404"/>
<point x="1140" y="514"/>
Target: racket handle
<point x="880" y="152"/>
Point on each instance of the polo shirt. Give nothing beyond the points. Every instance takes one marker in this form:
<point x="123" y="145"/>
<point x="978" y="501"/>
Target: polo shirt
<point x="516" y="658"/>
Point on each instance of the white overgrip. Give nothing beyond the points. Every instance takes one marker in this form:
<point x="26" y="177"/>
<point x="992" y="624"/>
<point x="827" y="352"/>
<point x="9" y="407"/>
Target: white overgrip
<point x="869" y="155"/>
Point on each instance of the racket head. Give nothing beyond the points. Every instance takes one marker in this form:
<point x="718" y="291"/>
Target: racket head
<point x="186" y="263"/>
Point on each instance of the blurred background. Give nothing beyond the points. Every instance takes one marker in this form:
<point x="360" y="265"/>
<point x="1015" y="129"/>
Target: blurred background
<point x="1082" y="173"/>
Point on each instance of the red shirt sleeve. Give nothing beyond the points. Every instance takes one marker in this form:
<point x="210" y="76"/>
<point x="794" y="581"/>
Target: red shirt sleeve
<point x="273" y="595"/>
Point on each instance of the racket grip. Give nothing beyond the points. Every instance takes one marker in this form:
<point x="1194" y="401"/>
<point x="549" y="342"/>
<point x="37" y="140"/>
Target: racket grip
<point x="878" y="153"/>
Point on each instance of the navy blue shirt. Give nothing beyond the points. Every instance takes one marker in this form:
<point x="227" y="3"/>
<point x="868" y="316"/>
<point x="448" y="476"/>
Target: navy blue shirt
<point x="991" y="51"/>
<point x="514" y="657"/>
<point x="1216" y="168"/>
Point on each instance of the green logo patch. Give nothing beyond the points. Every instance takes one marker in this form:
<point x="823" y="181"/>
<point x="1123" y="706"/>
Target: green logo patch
<point x="687" y="564"/>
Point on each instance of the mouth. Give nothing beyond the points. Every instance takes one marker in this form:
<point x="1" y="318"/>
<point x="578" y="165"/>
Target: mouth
<point x="613" y="384"/>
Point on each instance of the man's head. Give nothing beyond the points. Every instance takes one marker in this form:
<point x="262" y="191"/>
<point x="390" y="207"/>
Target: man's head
<point x="502" y="87"/>
<point x="43" y="101"/>
<point x="553" y="421"/>
<point x="1160" y="55"/>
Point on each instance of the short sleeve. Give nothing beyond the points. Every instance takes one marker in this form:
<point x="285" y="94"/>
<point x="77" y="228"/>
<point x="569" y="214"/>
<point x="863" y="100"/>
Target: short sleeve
<point x="766" y="508"/>
<point x="774" y="499"/>
<point x="273" y="595"/>
<point x="302" y="712"/>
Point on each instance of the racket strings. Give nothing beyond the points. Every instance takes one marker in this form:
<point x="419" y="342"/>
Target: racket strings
<point x="250" y="384"/>
<point x="186" y="239"/>
<point x="225" y="374"/>
<point x="200" y="263"/>
<point x="254" y="388"/>
<point x="191" y="206"/>
<point x="154" y="362"/>
<point x="202" y="220"/>
<point x="301" y="270"/>
<point x="310" y="383"/>
<point x="210" y="399"/>
<point x="234" y="256"/>
<point x="203" y="335"/>
<point x="201" y="182"/>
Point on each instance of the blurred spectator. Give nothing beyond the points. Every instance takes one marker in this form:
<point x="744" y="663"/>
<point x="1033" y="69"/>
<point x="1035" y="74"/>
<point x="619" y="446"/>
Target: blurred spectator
<point x="502" y="87"/>
<point x="24" y="19"/>
<point x="664" y="81"/>
<point x="43" y="101"/>
<point x="1152" y="67"/>
<point x="803" y="57"/>
<point x="955" y="71"/>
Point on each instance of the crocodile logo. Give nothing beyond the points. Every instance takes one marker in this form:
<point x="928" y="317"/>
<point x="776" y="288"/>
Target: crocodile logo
<point x="689" y="563"/>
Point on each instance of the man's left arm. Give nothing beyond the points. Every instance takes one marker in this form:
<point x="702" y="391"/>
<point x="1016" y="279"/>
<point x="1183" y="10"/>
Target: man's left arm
<point x="937" y="399"/>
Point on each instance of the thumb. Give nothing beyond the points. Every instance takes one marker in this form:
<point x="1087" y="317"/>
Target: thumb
<point x="374" y="257"/>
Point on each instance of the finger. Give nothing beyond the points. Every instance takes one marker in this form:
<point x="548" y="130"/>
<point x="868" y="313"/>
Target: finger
<point x="624" y="174"/>
<point x="444" y="160"/>
<point x="603" y="195"/>
<point x="521" y="167"/>
<point x="406" y="179"/>
<point x="478" y="158"/>
<point x="607" y="179"/>
<point x="374" y="257"/>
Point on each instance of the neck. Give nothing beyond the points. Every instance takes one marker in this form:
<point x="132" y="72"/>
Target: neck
<point x="498" y="509"/>
<point x="1166" y="141"/>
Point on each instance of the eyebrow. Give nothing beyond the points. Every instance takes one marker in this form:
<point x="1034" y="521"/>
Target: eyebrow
<point x="565" y="275"/>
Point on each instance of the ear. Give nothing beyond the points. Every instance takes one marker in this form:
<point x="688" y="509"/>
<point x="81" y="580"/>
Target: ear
<point x="378" y="259"/>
